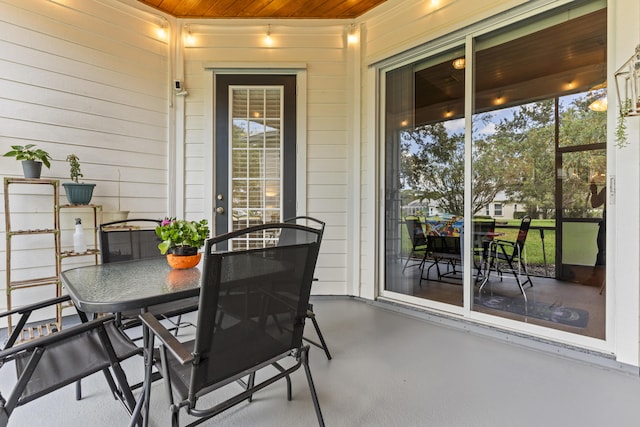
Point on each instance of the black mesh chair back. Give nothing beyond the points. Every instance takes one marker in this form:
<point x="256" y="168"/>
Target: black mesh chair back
<point x="416" y="232"/>
<point x="133" y="239"/>
<point x="234" y="340"/>
<point x="289" y="236"/>
<point x="482" y="229"/>
<point x="511" y="252"/>
<point x="418" y="242"/>
<point x="522" y="233"/>
<point x="130" y="239"/>
<point x="444" y="246"/>
<point x="270" y="278"/>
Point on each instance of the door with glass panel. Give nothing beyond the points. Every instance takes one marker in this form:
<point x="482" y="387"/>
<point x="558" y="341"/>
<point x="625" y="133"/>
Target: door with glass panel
<point x="254" y="153"/>
<point x="535" y="144"/>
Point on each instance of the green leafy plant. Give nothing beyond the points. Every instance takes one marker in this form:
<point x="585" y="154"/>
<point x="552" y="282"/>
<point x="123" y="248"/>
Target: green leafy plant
<point x="176" y="233"/>
<point x="74" y="167"/>
<point x="28" y="152"/>
<point x="621" y="128"/>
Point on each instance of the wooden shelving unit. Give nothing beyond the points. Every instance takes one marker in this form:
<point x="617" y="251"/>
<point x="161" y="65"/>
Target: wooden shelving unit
<point x="54" y="230"/>
<point x="11" y="234"/>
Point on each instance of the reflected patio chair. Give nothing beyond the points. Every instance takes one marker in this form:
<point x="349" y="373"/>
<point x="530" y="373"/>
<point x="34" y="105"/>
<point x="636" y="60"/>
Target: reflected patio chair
<point x="133" y="239"/>
<point x="291" y="236"/>
<point x="52" y="361"/>
<point x="418" y="243"/>
<point x="275" y="283"/>
<point x="512" y="254"/>
<point x="483" y="230"/>
<point x="445" y="249"/>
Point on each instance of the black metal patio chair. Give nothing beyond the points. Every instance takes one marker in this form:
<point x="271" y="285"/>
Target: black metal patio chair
<point x="511" y="253"/>
<point x="275" y="284"/>
<point x="307" y="220"/>
<point x="443" y="249"/>
<point x="483" y="230"/>
<point x="133" y="239"/>
<point x="419" y="243"/>
<point x="50" y="362"/>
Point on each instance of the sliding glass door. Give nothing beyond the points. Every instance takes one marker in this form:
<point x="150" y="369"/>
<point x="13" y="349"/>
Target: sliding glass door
<point x="535" y="156"/>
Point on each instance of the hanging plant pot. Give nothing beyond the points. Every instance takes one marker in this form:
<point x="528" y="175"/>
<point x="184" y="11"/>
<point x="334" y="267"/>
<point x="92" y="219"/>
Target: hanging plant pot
<point x="78" y="193"/>
<point x="31" y="168"/>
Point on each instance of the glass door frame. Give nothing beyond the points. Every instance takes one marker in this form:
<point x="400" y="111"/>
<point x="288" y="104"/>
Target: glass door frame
<point x="466" y="311"/>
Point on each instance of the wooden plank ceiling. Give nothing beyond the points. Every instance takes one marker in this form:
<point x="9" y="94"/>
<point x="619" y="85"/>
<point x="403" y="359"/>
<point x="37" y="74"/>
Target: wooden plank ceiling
<point x="298" y="9"/>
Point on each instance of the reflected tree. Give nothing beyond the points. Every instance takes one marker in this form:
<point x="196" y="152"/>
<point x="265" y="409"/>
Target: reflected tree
<point x="514" y="152"/>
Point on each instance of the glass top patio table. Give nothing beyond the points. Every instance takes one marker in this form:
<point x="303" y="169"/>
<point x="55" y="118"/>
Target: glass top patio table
<point x="133" y="285"/>
<point x="129" y="285"/>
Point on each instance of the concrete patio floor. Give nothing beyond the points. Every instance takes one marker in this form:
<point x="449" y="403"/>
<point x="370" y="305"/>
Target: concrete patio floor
<point x="390" y="368"/>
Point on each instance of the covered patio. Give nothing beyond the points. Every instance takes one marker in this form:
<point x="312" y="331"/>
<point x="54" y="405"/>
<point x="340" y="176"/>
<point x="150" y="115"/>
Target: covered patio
<point x="148" y="99"/>
<point x="393" y="366"/>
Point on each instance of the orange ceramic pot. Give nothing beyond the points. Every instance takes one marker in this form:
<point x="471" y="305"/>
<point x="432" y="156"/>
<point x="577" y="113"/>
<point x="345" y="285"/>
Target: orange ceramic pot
<point x="183" y="261"/>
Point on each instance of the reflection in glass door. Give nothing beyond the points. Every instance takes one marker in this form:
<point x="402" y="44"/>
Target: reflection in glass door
<point x="537" y="131"/>
<point x="537" y="151"/>
<point x="255" y="159"/>
<point x="424" y="155"/>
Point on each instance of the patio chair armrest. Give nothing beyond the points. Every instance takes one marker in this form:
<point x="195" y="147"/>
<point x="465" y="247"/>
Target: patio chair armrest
<point x="35" y="306"/>
<point x="170" y="342"/>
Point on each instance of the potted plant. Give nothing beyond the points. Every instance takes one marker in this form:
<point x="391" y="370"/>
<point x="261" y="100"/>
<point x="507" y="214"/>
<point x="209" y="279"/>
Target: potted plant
<point x="181" y="240"/>
<point x="32" y="159"/>
<point x="78" y="193"/>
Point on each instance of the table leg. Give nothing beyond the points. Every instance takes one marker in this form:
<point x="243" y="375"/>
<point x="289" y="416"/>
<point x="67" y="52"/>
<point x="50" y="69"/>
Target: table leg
<point x="487" y="267"/>
<point x="145" y="393"/>
<point x="544" y="253"/>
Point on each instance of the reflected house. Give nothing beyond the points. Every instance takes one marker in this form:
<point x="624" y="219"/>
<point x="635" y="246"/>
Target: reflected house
<point x="420" y="207"/>
<point x="500" y="207"/>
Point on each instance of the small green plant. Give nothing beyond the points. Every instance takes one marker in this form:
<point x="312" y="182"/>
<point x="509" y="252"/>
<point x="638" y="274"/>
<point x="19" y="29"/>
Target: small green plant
<point x="621" y="128"/>
<point x="177" y="233"/>
<point x="28" y="152"/>
<point x="74" y="164"/>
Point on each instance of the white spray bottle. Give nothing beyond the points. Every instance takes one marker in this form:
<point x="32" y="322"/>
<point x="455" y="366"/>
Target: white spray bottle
<point x="79" y="243"/>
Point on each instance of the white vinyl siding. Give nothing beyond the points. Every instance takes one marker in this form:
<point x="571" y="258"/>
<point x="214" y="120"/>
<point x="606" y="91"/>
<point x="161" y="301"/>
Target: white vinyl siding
<point x="89" y="78"/>
<point x="321" y="46"/>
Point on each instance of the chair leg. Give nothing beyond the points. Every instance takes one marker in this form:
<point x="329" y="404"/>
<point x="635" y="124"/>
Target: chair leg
<point x="314" y="396"/>
<point x="178" y="320"/>
<point x="517" y="276"/>
<point x="287" y="378"/>
<point x="320" y="336"/>
<point x="407" y="262"/>
<point x="250" y="383"/>
<point x="323" y="344"/>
